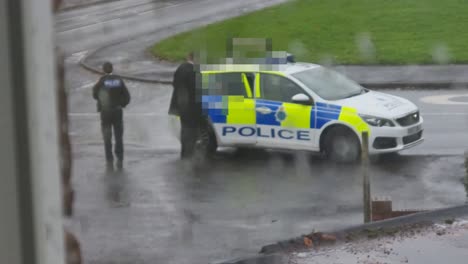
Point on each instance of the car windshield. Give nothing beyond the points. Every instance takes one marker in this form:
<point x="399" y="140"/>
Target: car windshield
<point x="329" y="84"/>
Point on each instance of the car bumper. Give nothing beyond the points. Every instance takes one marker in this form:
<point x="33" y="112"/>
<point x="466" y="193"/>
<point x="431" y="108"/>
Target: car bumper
<point x="394" y="139"/>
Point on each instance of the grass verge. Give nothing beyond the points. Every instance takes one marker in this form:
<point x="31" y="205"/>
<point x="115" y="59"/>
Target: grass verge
<point x="342" y="31"/>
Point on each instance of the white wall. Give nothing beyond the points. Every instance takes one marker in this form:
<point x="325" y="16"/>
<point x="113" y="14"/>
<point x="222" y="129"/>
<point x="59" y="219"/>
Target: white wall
<point x="30" y="207"/>
<point x="9" y="215"/>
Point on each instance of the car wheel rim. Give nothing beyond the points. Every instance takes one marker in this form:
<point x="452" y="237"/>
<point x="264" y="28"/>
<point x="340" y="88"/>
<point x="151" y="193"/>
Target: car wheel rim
<point x="343" y="148"/>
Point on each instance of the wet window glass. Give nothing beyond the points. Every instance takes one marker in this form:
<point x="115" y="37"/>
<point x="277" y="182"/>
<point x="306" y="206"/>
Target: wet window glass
<point x="227" y="84"/>
<point x="329" y="84"/>
<point x="277" y="88"/>
<point x="156" y="173"/>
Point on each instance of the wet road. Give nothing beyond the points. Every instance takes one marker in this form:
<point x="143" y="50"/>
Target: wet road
<point x="159" y="211"/>
<point x="445" y="123"/>
<point x="92" y="27"/>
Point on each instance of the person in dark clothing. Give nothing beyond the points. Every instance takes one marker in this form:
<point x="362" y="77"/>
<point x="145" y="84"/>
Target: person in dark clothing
<point x="186" y="103"/>
<point x="112" y="95"/>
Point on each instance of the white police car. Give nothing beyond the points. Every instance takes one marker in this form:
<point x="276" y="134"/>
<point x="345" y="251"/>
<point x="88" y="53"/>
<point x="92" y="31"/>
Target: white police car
<point x="303" y="106"/>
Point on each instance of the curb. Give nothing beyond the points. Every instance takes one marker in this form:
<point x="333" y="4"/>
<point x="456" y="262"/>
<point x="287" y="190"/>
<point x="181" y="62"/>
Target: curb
<point x="409" y="220"/>
<point x="89" y="67"/>
<point x="370" y="85"/>
<point x="277" y="253"/>
<point x="259" y="259"/>
<point x="410" y="85"/>
<point x="423" y="217"/>
<point x="445" y="84"/>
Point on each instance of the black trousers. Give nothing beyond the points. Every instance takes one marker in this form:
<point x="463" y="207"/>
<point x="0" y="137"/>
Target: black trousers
<point x="112" y="120"/>
<point x="190" y="128"/>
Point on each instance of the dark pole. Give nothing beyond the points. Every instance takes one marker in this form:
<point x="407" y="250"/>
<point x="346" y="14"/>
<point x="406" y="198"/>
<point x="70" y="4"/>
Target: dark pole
<point x="365" y="176"/>
<point x="466" y="175"/>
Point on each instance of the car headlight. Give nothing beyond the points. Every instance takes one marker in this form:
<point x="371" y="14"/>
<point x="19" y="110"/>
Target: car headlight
<point x="377" y="121"/>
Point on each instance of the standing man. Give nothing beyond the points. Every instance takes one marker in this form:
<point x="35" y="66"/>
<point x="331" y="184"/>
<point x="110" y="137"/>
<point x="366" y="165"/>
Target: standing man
<point x="112" y="95"/>
<point x="186" y="103"/>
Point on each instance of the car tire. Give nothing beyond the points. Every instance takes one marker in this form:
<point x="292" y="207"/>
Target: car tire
<point x="205" y="148"/>
<point x="207" y="141"/>
<point x="342" y="145"/>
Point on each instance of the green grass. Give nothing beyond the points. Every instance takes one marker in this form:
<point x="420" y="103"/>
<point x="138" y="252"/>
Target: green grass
<point x="400" y="32"/>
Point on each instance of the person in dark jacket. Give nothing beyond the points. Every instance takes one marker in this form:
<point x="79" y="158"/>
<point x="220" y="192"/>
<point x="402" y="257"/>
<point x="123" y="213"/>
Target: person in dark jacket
<point x="186" y="103"/>
<point x="112" y="95"/>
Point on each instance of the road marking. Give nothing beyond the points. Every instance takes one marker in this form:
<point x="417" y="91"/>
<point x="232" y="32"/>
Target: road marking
<point x="444" y="114"/>
<point x="158" y="114"/>
<point x="158" y="9"/>
<point x="79" y="54"/>
<point x="443" y="99"/>
<point x="98" y="25"/>
<point x="126" y="14"/>
<point x="94" y="115"/>
<point x="126" y="114"/>
<point x="83" y="87"/>
<point x="76" y="57"/>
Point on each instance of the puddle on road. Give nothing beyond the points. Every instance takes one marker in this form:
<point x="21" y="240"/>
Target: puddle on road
<point x="291" y="180"/>
<point x="291" y="193"/>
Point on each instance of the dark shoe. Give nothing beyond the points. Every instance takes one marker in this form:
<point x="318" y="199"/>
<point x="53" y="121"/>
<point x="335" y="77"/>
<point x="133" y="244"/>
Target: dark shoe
<point x="110" y="165"/>
<point x="120" y="164"/>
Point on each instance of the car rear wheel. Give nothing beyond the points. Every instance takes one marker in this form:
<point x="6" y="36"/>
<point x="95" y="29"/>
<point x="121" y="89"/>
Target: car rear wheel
<point x="342" y="145"/>
<point x="206" y="143"/>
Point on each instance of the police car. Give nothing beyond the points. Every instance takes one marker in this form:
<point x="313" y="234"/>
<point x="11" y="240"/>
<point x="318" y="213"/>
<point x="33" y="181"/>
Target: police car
<point x="303" y="106"/>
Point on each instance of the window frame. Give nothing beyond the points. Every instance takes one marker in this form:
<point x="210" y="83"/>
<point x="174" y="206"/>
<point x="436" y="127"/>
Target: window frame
<point x="261" y="87"/>
<point x="243" y="74"/>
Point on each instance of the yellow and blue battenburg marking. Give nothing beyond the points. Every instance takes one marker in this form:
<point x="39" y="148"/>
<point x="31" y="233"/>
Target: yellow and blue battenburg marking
<point x="237" y="110"/>
<point x="325" y="113"/>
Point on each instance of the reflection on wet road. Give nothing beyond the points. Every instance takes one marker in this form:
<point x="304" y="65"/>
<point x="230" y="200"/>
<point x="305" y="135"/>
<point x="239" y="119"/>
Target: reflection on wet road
<point x="158" y="210"/>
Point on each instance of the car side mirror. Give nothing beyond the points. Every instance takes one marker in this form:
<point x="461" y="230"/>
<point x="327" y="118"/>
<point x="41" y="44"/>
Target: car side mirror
<point x="301" y="99"/>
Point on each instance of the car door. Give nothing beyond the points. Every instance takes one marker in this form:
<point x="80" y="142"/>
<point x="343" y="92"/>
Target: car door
<point x="282" y="123"/>
<point x="228" y="101"/>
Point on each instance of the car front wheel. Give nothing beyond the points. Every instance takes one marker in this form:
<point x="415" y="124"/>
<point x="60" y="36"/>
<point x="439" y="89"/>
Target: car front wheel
<point x="206" y="144"/>
<point x="342" y="145"/>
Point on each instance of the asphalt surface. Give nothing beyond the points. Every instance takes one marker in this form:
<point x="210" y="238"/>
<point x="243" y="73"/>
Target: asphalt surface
<point x="95" y="26"/>
<point x="445" y="122"/>
<point x="158" y="210"/>
<point x="73" y="4"/>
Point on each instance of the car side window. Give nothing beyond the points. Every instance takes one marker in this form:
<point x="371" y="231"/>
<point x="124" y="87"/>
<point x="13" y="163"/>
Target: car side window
<point x="230" y="83"/>
<point x="278" y="88"/>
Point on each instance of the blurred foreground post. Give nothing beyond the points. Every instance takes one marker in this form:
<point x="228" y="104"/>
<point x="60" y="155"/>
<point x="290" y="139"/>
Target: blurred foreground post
<point x="31" y="229"/>
<point x="466" y="175"/>
<point x="365" y="176"/>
